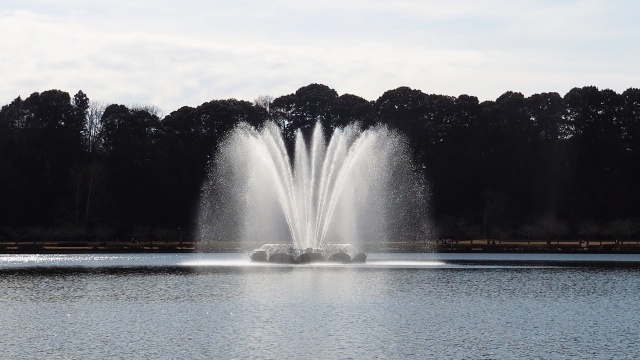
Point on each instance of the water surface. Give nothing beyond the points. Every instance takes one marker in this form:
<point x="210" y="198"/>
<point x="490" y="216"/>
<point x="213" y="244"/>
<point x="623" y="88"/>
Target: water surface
<point x="396" y="305"/>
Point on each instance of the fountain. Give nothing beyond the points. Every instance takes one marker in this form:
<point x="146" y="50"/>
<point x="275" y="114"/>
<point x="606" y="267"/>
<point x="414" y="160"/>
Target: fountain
<point x="358" y="190"/>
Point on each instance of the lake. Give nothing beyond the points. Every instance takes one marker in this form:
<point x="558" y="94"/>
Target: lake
<point x="454" y="306"/>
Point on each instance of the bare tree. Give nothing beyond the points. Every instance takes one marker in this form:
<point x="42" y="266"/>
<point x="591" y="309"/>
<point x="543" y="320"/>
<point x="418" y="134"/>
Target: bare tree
<point x="93" y="124"/>
<point x="588" y="228"/>
<point x="622" y="229"/>
<point x="494" y="204"/>
<point x="453" y="226"/>
<point x="86" y="184"/>
<point x="263" y="101"/>
<point x="546" y="227"/>
<point x="151" y="109"/>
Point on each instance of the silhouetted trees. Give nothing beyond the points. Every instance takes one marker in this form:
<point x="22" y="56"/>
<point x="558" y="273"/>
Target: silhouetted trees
<point x="41" y="141"/>
<point x="543" y="166"/>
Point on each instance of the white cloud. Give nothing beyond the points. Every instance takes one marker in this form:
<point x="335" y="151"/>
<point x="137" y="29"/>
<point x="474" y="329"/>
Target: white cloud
<point x="184" y="53"/>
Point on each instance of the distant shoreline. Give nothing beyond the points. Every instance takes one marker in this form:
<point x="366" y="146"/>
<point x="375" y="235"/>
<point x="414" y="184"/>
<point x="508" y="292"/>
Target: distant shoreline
<point x="49" y="247"/>
<point x="520" y="246"/>
<point x="440" y="246"/>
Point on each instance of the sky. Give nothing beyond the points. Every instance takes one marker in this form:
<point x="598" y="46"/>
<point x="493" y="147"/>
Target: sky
<point x="174" y="53"/>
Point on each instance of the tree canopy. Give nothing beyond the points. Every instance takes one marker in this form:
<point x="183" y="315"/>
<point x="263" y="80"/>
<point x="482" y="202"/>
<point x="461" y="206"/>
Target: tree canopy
<point x="545" y="165"/>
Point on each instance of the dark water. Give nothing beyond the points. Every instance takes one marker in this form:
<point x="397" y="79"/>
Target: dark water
<point x="221" y="306"/>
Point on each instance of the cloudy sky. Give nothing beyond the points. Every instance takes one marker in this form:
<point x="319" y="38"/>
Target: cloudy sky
<point x="175" y="53"/>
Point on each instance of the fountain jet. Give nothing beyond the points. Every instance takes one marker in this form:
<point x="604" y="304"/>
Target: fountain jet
<point x="360" y="188"/>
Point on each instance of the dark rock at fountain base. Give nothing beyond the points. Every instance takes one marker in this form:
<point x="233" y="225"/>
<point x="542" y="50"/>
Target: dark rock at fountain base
<point x="359" y="258"/>
<point x="340" y="257"/>
<point x="282" y="258"/>
<point x="259" y="256"/>
<point x="309" y="257"/>
<point x="287" y="254"/>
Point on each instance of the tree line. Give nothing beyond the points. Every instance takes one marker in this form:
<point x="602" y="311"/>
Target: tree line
<point x="544" y="166"/>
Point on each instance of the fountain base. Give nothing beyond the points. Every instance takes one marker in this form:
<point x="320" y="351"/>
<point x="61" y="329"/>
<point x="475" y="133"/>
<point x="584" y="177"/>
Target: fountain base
<point x="287" y="254"/>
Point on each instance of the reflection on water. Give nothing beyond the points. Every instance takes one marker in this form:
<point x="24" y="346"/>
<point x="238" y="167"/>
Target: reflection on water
<point x="223" y="306"/>
<point x="449" y="260"/>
